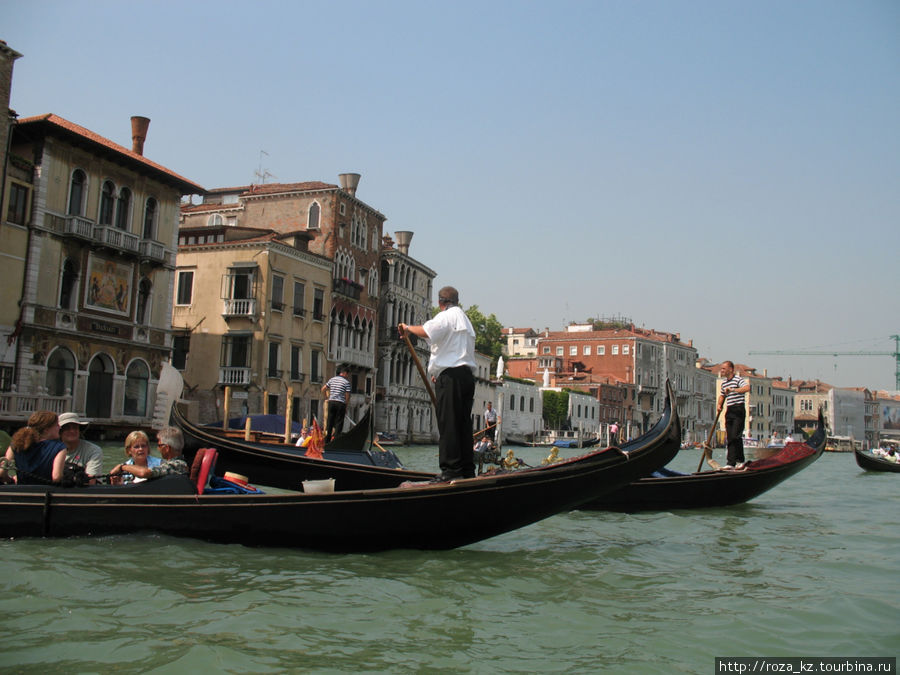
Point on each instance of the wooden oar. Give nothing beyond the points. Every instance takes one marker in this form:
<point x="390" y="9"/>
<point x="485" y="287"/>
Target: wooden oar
<point x="421" y="370"/>
<point x="707" y="447"/>
<point x="487" y="428"/>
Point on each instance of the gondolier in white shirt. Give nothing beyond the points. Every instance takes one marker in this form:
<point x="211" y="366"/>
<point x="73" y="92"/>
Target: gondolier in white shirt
<point x="338" y="388"/>
<point x="731" y="396"/>
<point x="451" y="368"/>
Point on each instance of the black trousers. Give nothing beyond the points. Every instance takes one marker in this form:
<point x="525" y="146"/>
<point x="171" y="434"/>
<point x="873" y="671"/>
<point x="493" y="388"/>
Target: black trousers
<point x="336" y="412"/>
<point x="734" y="432"/>
<point x="454" y="390"/>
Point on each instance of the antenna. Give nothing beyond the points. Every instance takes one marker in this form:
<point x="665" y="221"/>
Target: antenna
<point x="260" y="173"/>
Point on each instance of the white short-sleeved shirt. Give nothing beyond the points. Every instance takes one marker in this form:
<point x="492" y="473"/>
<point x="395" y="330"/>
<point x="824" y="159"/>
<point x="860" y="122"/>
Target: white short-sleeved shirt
<point x="452" y="341"/>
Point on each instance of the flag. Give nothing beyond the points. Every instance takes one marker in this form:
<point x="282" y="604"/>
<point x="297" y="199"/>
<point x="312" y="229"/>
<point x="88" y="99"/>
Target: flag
<point x="316" y="441"/>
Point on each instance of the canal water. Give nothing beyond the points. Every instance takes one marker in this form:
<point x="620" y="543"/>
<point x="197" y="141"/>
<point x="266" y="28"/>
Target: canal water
<point x="807" y="569"/>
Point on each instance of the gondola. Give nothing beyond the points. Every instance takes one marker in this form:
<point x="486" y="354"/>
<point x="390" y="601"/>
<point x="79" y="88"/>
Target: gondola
<point x="413" y="514"/>
<point x="666" y="489"/>
<point x="367" y="469"/>
<point x="870" y="462"/>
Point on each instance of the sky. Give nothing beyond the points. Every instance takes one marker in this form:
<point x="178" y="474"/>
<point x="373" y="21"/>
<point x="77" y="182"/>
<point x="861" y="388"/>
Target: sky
<point x="728" y="171"/>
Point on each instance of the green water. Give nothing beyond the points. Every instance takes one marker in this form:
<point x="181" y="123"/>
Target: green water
<point x="807" y="569"/>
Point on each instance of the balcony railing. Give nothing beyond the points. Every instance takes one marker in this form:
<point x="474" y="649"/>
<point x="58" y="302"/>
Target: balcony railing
<point x="153" y="250"/>
<point x="347" y="287"/>
<point x="274" y="373"/>
<point x="298" y="377"/>
<point x="80" y="227"/>
<point x="233" y="375"/>
<point x="14" y="404"/>
<point x="115" y="238"/>
<point x="355" y="357"/>
<point x="239" y="307"/>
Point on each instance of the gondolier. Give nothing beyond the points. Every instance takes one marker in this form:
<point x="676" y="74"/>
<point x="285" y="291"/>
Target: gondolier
<point x="731" y="397"/>
<point x="338" y="388"/>
<point x="490" y="421"/>
<point x="451" y="368"/>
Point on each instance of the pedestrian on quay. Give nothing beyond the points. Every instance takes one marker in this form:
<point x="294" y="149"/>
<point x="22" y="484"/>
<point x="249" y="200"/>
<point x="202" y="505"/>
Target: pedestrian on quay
<point x="731" y="396"/>
<point x="451" y="369"/>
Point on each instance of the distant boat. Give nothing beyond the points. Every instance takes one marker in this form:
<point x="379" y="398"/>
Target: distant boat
<point x="871" y="462"/>
<point x="666" y="489"/>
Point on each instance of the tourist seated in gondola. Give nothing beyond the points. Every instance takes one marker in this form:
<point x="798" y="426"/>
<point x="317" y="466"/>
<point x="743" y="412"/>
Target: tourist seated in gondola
<point x="170" y="443"/>
<point x="79" y="451"/>
<point x="303" y="438"/>
<point x="137" y="449"/>
<point x="37" y="452"/>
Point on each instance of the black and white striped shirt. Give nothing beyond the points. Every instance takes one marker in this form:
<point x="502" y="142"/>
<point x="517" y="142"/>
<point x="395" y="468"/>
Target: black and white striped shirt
<point x="338" y="388"/>
<point x="734" y="382"/>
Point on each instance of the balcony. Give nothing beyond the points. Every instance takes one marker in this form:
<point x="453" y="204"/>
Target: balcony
<point x="354" y="357"/>
<point x="298" y="377"/>
<point x="230" y="375"/>
<point x="236" y="308"/>
<point x="117" y="239"/>
<point x="349" y="288"/>
<point x="79" y="227"/>
<point x="153" y="251"/>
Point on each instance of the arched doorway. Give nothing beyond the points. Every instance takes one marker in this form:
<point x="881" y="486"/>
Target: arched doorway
<point x="60" y="372"/>
<point x="99" y="387"/>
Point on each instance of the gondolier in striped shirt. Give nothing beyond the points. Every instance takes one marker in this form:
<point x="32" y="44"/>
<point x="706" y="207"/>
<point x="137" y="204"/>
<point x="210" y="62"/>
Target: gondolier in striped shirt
<point x="338" y="388"/>
<point x="731" y="396"/>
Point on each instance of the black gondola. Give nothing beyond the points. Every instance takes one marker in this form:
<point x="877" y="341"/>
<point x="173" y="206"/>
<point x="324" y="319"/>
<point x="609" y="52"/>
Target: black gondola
<point x="870" y="462"/>
<point x="418" y="515"/>
<point x="666" y="489"/>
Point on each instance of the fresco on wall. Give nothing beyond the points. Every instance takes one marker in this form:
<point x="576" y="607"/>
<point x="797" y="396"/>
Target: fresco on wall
<point x="109" y="285"/>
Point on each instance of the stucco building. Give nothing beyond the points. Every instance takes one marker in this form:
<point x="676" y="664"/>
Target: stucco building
<point x="88" y="271"/>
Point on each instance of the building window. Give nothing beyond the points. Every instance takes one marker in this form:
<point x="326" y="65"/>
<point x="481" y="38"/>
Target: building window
<point x="215" y="220"/>
<point x="296" y="361"/>
<point x="107" y="201"/>
<point x="319" y="304"/>
<point x="299" y="292"/>
<point x="181" y="346"/>
<point x="625" y="349"/>
<point x="312" y="220"/>
<point x="586" y="350"/>
<point x="601" y="350"/>
<point x="60" y="372"/>
<point x="615" y="350"/>
<point x="573" y="350"/>
<point x="546" y="350"/>
<point x="77" y="192"/>
<point x="67" y="284"/>
<point x="150" y="219"/>
<point x="123" y="208"/>
<point x="185" y="288"/>
<point x="236" y="351"/>
<point x="277" y="292"/>
<point x="136" y="379"/>
<point x="18" y="204"/>
<point x="559" y="351"/>
<point x="315" y="366"/>
<point x="274" y="349"/>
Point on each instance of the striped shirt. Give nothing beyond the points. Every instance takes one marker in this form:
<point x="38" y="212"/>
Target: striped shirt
<point x="338" y="388"/>
<point x="736" y="381"/>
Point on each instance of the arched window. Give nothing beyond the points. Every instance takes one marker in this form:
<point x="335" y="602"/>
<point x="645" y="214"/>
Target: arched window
<point x="150" y="219"/>
<point x="107" y="199"/>
<point x="136" y="379"/>
<point x="60" y="372"/>
<point x="312" y="221"/>
<point x="67" y="283"/>
<point x="98" y="401"/>
<point x="77" y="192"/>
<point x="143" y="301"/>
<point x="123" y="208"/>
<point x="215" y="220"/>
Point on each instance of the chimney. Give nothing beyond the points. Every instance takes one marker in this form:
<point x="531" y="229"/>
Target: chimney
<point x="139" y="126"/>
<point x="349" y="182"/>
<point x="403" y="239"/>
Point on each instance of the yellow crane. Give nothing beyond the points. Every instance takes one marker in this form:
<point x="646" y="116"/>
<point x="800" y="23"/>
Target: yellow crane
<point x="895" y="354"/>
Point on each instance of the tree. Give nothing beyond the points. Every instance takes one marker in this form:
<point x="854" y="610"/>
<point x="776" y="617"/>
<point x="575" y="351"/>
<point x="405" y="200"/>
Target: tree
<point x="488" y="333"/>
<point x="556" y="408"/>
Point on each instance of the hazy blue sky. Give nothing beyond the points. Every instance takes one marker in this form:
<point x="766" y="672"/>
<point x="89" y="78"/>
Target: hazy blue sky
<point x="729" y="171"/>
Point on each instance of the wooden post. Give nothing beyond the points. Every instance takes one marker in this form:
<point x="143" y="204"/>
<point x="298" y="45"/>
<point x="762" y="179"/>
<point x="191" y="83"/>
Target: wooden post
<point x="288" y="409"/>
<point x="247" y="424"/>
<point x="226" y="407"/>
<point x="265" y="396"/>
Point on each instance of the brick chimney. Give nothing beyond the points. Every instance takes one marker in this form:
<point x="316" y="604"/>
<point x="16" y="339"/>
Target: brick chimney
<point x="139" y="126"/>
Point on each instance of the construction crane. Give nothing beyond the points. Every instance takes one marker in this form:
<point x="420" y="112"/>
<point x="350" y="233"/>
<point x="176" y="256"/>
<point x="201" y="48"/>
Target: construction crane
<point x="895" y="354"/>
